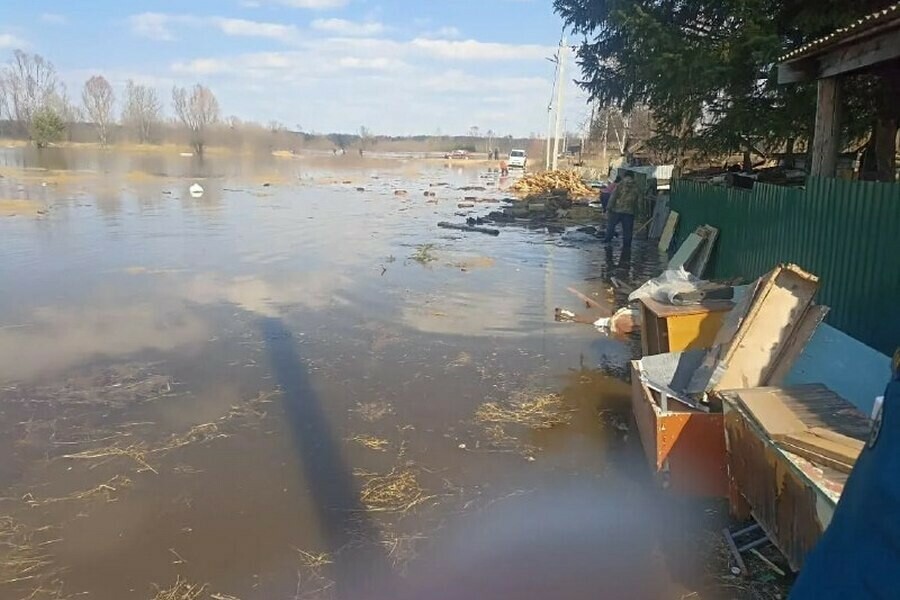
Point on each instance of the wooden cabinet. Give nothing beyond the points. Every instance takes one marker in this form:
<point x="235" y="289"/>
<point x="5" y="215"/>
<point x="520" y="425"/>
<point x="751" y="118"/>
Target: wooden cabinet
<point x="668" y="328"/>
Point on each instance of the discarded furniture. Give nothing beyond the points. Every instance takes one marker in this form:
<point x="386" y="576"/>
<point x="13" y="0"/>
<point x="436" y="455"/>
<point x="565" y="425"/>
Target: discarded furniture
<point x="668" y="328"/>
<point x="750" y="538"/>
<point x="683" y="443"/>
<point x="789" y="451"/>
<point x="675" y="396"/>
<point x="763" y="335"/>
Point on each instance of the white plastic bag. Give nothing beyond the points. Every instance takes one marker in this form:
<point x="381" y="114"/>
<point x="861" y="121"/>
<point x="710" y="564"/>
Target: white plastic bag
<point x="664" y="287"/>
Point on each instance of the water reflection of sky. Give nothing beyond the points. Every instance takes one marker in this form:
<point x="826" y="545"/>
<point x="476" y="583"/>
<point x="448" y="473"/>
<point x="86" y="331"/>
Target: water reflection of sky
<point x="306" y="285"/>
<point x="133" y="265"/>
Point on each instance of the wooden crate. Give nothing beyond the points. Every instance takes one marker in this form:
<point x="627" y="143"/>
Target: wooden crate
<point x="667" y="328"/>
<point x="791" y="497"/>
<point x="685" y="448"/>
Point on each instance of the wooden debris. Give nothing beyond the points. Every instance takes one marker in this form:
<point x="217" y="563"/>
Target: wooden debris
<point x="473" y="228"/>
<point x="543" y="183"/>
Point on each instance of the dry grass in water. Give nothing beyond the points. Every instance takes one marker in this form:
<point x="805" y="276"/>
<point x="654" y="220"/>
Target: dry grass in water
<point x="424" y="254"/>
<point x="182" y="590"/>
<point x="314" y="560"/>
<point x="396" y="492"/>
<point x="541" y="411"/>
<point x="371" y="442"/>
<point x="401" y="549"/>
<point x="311" y="582"/>
<point x="22" y="558"/>
<point x="109" y="491"/>
<point x="501" y="441"/>
<point x="136" y="452"/>
<point x="373" y="411"/>
<point x="240" y="414"/>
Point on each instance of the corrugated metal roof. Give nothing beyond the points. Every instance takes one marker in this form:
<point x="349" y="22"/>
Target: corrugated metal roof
<point x="835" y="37"/>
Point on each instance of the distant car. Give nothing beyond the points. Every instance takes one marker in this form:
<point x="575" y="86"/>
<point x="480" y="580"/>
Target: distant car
<point x="458" y="154"/>
<point x="517" y="159"/>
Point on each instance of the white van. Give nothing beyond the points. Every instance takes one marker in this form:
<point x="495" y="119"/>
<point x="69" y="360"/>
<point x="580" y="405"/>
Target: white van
<point x="517" y="159"/>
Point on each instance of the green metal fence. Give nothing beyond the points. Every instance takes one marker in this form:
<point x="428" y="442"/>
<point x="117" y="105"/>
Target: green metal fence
<point x="846" y="232"/>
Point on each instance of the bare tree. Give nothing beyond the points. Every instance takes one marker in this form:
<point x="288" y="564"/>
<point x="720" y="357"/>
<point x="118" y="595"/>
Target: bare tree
<point x="67" y="111"/>
<point x="365" y="137"/>
<point x="142" y="110"/>
<point x="197" y="112"/>
<point x="4" y="101"/>
<point x="98" y="99"/>
<point x="30" y="82"/>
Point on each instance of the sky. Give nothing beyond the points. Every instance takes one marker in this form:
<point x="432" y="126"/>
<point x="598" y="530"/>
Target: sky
<point x="397" y="67"/>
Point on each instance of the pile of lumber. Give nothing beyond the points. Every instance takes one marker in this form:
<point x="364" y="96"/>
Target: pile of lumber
<point x="535" y="184"/>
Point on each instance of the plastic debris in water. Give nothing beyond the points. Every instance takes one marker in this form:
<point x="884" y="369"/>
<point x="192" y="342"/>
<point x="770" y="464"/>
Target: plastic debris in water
<point x="196" y="190"/>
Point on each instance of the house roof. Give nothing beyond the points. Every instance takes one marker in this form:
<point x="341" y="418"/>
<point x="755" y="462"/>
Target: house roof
<point x="882" y="19"/>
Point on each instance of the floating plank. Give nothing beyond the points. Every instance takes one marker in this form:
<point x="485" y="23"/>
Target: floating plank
<point x="473" y="228"/>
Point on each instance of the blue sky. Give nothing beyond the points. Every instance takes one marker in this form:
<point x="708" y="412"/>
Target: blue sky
<point x="395" y="66"/>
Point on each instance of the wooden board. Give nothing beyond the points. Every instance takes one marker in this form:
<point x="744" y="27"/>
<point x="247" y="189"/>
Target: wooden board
<point x="767" y="407"/>
<point x="780" y="411"/>
<point x="826" y="443"/>
<point x="780" y="303"/>
<point x="795" y="345"/>
<point x="665" y="240"/>
<point x="820" y="459"/>
<point x="699" y="262"/>
<point x="686" y="252"/>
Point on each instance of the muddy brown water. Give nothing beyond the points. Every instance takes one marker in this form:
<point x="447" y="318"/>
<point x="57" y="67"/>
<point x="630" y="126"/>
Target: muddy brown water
<point x="232" y="348"/>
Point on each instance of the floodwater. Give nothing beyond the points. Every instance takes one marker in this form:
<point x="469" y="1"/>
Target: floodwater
<point x="221" y="391"/>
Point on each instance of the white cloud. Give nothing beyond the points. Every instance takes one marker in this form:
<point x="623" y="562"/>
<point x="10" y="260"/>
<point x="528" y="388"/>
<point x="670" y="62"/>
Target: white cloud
<point x="8" y="40"/>
<point x="290" y="65"/>
<point x="348" y="28"/>
<point x="443" y="33"/>
<point x="155" y="26"/>
<point x="312" y="4"/>
<point x="483" y="51"/>
<point x="456" y="81"/>
<point x="54" y="18"/>
<point x="243" y="27"/>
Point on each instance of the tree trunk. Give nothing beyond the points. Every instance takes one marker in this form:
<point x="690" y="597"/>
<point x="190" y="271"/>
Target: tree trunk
<point x="748" y="161"/>
<point x="789" y="153"/>
<point x="879" y="158"/>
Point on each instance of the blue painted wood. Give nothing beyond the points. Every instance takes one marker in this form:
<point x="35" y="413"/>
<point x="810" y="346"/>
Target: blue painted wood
<point x="847" y="366"/>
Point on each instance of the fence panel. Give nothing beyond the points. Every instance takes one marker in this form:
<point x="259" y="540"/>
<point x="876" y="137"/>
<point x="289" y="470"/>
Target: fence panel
<point x="846" y="232"/>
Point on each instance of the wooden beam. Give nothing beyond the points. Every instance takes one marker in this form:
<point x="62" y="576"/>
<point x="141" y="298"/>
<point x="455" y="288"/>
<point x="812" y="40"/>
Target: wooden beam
<point x="826" y="139"/>
<point x="876" y="50"/>
<point x="851" y="55"/>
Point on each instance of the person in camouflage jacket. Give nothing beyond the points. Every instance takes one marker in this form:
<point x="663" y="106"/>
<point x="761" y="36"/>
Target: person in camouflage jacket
<point x="622" y="206"/>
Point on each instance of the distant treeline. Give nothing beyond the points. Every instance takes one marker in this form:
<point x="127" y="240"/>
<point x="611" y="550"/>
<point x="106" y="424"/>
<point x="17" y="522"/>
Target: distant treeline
<point x="248" y="136"/>
<point x="35" y="105"/>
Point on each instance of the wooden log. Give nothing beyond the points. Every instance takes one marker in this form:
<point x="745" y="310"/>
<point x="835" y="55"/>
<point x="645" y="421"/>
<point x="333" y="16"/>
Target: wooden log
<point x="473" y="228"/>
